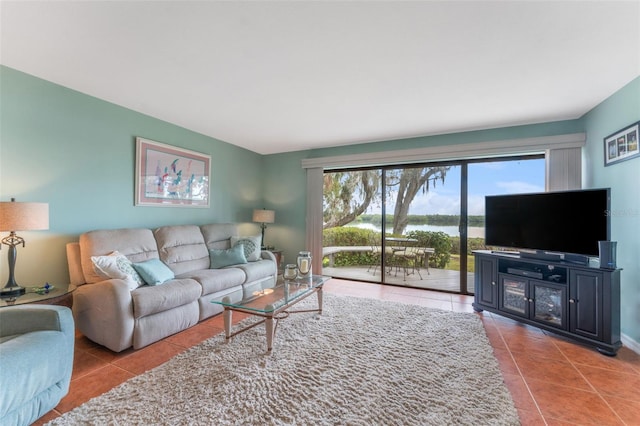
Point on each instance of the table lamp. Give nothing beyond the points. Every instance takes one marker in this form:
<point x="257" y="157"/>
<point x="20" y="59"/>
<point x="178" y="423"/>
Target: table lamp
<point x="19" y="217"/>
<point x="263" y="217"/>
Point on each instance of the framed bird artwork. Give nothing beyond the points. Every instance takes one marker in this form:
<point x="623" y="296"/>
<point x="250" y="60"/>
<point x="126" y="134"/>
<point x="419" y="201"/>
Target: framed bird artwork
<point x="168" y="176"/>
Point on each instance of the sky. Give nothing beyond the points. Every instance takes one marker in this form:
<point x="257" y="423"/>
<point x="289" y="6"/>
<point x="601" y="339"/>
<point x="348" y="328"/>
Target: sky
<point x="494" y="178"/>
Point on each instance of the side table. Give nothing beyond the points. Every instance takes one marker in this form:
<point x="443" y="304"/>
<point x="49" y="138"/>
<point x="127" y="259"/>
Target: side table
<point x="57" y="296"/>
<point x="279" y="258"/>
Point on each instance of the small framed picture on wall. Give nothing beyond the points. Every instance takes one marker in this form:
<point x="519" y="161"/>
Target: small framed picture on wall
<point x="621" y="145"/>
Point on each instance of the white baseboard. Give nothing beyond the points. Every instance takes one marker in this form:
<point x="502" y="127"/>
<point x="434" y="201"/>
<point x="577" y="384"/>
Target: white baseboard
<point x="630" y="343"/>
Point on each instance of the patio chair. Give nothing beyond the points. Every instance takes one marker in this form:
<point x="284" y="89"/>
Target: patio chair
<point x="408" y="259"/>
<point x="376" y="253"/>
<point x="396" y="256"/>
<point x="423" y="257"/>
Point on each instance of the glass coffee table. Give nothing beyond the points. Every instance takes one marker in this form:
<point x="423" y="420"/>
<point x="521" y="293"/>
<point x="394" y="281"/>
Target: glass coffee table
<point x="273" y="304"/>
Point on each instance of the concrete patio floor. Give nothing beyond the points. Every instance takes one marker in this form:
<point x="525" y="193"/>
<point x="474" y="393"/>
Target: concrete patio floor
<point x="436" y="279"/>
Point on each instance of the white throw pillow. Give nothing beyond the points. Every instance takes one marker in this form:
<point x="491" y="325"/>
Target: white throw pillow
<point x="116" y="265"/>
<point x="252" y="246"/>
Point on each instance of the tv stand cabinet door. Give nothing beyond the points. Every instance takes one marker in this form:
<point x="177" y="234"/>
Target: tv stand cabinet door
<point x="549" y="304"/>
<point x="585" y="304"/>
<point x="514" y="295"/>
<point x="486" y="284"/>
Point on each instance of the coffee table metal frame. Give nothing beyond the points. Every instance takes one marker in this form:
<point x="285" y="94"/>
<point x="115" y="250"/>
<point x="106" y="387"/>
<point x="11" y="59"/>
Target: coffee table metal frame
<point x="273" y="304"/>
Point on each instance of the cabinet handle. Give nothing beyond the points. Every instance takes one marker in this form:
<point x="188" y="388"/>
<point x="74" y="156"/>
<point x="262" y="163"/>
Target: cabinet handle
<point x="493" y="283"/>
<point x="572" y="301"/>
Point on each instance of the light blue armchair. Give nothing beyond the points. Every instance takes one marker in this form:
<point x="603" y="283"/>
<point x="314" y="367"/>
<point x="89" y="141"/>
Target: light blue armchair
<point x="36" y="360"/>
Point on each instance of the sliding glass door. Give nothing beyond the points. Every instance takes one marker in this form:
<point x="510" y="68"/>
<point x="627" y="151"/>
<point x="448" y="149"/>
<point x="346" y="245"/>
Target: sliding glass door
<point x="416" y="225"/>
<point x="497" y="177"/>
<point x="352" y="224"/>
<point x="422" y="205"/>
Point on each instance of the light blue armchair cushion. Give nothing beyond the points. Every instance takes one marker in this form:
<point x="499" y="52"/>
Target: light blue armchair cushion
<point x="36" y="354"/>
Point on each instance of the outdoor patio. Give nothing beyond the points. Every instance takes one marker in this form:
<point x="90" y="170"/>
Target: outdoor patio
<point x="435" y="279"/>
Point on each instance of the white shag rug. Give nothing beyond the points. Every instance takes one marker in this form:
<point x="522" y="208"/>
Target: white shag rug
<point x="363" y="362"/>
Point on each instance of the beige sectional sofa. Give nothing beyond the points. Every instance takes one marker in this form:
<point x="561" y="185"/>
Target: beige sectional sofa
<point x="118" y="315"/>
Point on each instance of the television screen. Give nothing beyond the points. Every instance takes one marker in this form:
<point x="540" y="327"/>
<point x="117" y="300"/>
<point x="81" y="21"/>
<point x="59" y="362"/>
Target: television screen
<point x="563" y="222"/>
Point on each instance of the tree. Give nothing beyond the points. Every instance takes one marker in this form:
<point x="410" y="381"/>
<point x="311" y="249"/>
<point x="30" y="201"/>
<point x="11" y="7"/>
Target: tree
<point x="406" y="183"/>
<point x="347" y="195"/>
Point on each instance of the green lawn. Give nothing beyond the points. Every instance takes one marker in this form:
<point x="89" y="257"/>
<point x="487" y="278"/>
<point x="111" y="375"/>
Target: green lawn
<point x="454" y="263"/>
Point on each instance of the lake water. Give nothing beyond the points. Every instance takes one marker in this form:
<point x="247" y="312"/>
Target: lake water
<point x="473" y="231"/>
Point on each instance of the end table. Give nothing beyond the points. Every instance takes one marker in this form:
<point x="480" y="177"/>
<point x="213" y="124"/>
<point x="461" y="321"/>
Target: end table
<point x="56" y="296"/>
<point x="279" y="258"/>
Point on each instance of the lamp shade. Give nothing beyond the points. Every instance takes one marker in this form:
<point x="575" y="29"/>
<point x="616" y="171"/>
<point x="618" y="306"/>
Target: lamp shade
<point x="264" y="216"/>
<point x="15" y="216"/>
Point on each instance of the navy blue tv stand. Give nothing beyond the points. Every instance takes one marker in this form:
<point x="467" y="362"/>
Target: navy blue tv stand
<point x="569" y="299"/>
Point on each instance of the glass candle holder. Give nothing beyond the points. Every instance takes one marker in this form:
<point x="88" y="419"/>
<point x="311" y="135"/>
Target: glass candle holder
<point x="304" y="264"/>
<point x="290" y="272"/>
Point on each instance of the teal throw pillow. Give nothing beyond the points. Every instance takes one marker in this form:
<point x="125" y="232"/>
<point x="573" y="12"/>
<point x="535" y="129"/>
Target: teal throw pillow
<point x="222" y="258"/>
<point x="153" y="271"/>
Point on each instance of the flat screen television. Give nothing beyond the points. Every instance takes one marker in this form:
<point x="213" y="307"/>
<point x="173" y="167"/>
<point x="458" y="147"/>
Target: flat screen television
<point x="559" y="222"/>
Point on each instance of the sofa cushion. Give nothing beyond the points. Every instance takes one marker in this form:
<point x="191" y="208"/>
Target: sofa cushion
<point x="258" y="270"/>
<point x="153" y="271"/>
<point x="227" y="257"/>
<point x="251" y="246"/>
<point x="218" y="235"/>
<point x="150" y="300"/>
<point x="136" y="244"/>
<point x="182" y="248"/>
<point x="154" y="327"/>
<point x="214" y="280"/>
<point x="116" y="265"/>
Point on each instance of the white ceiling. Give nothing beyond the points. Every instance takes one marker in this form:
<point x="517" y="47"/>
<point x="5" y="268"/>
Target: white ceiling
<point x="285" y="76"/>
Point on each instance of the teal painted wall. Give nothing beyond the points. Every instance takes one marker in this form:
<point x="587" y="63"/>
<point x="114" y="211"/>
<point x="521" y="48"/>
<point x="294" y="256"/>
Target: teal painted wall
<point x="285" y="192"/>
<point x="615" y="113"/>
<point x="77" y="153"/>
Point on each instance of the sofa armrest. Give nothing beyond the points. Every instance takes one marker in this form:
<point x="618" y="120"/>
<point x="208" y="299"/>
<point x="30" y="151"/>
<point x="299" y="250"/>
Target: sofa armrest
<point x="75" y="267"/>
<point x="104" y="313"/>
<point x="37" y="360"/>
<point x="265" y="254"/>
<point x="28" y="318"/>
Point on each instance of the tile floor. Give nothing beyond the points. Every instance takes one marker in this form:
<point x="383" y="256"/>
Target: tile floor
<point x="552" y="381"/>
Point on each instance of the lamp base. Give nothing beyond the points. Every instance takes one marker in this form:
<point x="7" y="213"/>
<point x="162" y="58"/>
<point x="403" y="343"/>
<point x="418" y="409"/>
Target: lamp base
<point x="12" y="291"/>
